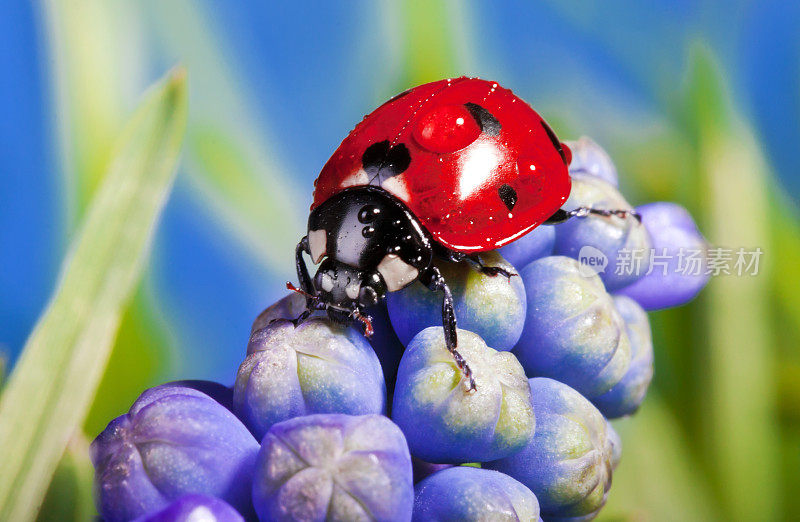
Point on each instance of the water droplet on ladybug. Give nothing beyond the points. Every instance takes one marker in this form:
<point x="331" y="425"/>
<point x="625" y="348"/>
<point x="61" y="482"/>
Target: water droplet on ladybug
<point x="447" y="128"/>
<point x="368" y="213"/>
<point x="368" y="231"/>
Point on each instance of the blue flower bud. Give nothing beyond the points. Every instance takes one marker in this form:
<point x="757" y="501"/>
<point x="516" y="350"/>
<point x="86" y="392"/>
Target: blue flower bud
<point x="173" y="441"/>
<point x="473" y="494"/>
<point x="334" y="467"/>
<point x="442" y="421"/>
<point x="590" y="158"/>
<point x="195" y="508"/>
<point x="318" y="367"/>
<point x="626" y="396"/>
<point x="491" y="306"/>
<point x="573" y="332"/>
<point x="288" y="307"/>
<point x="219" y="392"/>
<point x="680" y="272"/>
<point x="568" y="462"/>
<point x="537" y="243"/>
<point x="607" y="244"/>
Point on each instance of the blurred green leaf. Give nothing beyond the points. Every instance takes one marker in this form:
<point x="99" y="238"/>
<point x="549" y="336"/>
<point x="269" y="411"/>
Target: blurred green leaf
<point x="53" y="383"/>
<point x="429" y="42"/>
<point x="70" y="496"/>
<point x="657" y="478"/>
<point x="740" y="404"/>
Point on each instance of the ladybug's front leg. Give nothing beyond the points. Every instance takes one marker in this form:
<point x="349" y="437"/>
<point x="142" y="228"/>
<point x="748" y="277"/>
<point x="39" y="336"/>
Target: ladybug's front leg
<point x="306" y="287"/>
<point x="562" y="215"/>
<point x="436" y="282"/>
<point x="493" y="271"/>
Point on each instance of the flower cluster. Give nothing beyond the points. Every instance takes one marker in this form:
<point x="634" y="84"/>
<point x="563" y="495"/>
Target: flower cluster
<point x="325" y="424"/>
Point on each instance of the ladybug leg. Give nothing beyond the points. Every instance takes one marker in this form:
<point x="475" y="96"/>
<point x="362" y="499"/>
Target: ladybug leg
<point x="436" y="283"/>
<point x="562" y="215"/>
<point x="302" y="271"/>
<point x="493" y="271"/>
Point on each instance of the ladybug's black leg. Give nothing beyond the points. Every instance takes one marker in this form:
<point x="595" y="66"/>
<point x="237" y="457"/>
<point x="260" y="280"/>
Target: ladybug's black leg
<point x="436" y="282"/>
<point x="562" y="215"/>
<point x="302" y="271"/>
<point x="493" y="271"/>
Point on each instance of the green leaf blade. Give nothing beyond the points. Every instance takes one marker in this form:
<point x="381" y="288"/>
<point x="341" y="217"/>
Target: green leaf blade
<point x="52" y="387"/>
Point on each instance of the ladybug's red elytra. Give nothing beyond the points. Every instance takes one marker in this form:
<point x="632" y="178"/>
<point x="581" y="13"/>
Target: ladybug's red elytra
<point x="447" y="169"/>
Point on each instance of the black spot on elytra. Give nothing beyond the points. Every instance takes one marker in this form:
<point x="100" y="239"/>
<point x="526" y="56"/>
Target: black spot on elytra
<point x="555" y="140"/>
<point x="381" y="161"/>
<point x="508" y="195"/>
<point x="487" y="122"/>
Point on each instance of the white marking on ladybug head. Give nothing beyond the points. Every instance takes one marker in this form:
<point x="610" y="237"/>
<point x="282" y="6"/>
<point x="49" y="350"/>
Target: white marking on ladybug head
<point x="396" y="186"/>
<point x="352" y="290"/>
<point x="357" y="178"/>
<point x="396" y="272"/>
<point x="317" y="244"/>
<point x="326" y="281"/>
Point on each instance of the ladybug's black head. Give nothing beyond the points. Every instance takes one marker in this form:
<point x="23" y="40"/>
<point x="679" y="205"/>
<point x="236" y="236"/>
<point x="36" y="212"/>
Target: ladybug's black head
<point x="368" y="243"/>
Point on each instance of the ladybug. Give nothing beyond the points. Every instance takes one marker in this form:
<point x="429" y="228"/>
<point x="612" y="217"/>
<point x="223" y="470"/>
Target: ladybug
<point x="444" y="170"/>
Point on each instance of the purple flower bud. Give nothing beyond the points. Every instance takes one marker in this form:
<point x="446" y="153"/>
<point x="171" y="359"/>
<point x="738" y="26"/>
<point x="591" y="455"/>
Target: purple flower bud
<point x="606" y="244"/>
<point x="288" y="307"/>
<point x="334" y="467"/>
<point x="573" y="332"/>
<point x="195" y="508"/>
<point x="318" y="367"/>
<point x="567" y="464"/>
<point x="473" y="494"/>
<point x="679" y="258"/>
<point x="442" y="421"/>
<point x="626" y="396"/>
<point x="219" y="392"/>
<point x="491" y="306"/>
<point x="589" y="158"/>
<point x="537" y="243"/>
<point x="173" y="441"/>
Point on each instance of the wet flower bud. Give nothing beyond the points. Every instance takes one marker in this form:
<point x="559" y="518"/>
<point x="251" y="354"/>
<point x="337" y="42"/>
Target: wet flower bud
<point x="173" y="441"/>
<point x="334" y="467"/>
<point x="590" y="158"/>
<point x="537" y="243"/>
<point x="473" y="494"/>
<point x="442" y="420"/>
<point x="317" y="367"/>
<point x="678" y="257"/>
<point x="573" y="332"/>
<point x="568" y="462"/>
<point x="491" y="306"/>
<point x="626" y="396"/>
<point x="606" y="244"/>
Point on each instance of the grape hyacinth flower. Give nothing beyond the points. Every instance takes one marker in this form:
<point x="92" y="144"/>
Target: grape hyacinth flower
<point x="537" y="243"/>
<point x="473" y="494"/>
<point x="334" y="467"/>
<point x="573" y="332"/>
<point x="568" y="462"/>
<point x="626" y="396"/>
<point x="491" y="306"/>
<point x="173" y="441"/>
<point x="590" y="158"/>
<point x="316" y="367"/>
<point x="603" y="237"/>
<point x="195" y="508"/>
<point x="442" y="420"/>
<point x="681" y="253"/>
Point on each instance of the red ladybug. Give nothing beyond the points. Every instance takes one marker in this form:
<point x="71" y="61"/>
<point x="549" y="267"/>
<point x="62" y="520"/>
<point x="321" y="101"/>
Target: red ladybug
<point x="448" y="169"/>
